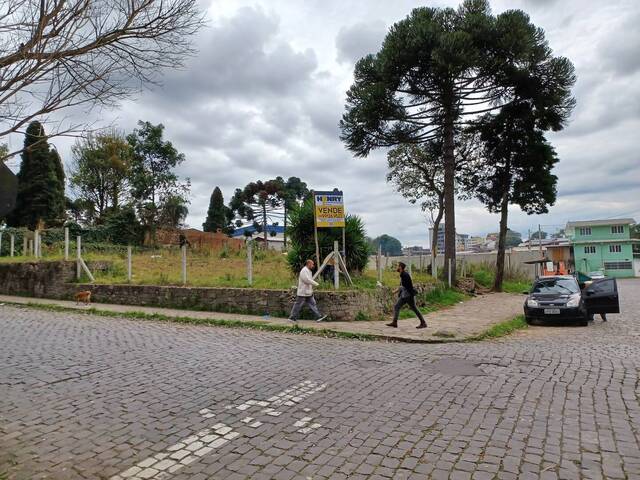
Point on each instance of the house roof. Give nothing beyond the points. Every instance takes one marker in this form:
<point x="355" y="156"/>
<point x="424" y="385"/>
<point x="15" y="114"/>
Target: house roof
<point x="596" y="223"/>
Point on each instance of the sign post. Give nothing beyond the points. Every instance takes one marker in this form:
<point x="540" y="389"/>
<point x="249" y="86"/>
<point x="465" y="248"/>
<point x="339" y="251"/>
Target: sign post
<point x="328" y="212"/>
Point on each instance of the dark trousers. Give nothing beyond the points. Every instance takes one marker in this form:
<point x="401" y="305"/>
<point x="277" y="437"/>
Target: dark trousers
<point x="411" y="301"/>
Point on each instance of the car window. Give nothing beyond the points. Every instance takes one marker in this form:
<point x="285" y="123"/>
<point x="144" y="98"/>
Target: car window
<point x="556" y="285"/>
<point x="605" y="286"/>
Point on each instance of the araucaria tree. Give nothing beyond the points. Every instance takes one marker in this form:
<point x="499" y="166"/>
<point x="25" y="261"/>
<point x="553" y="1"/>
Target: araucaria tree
<point x="515" y="168"/>
<point x="436" y="72"/>
<point x="219" y="216"/>
<point x="56" y="54"/>
<point x="257" y="203"/>
<point x="41" y="197"/>
<point x="156" y="190"/>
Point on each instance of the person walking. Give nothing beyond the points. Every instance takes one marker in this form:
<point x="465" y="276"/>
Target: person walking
<point x="304" y="295"/>
<point x="406" y="295"/>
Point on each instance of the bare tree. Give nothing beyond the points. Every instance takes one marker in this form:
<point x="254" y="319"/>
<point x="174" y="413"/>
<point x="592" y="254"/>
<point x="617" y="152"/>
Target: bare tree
<point x="57" y="54"/>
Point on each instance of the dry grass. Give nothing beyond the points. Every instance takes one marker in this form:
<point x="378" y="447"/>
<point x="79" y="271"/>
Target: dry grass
<point x="211" y="269"/>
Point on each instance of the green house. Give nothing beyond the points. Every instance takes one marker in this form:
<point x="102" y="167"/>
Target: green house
<point x="605" y="246"/>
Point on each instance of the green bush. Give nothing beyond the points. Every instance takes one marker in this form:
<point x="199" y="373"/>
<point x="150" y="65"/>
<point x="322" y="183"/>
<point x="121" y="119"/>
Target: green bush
<point x="301" y="231"/>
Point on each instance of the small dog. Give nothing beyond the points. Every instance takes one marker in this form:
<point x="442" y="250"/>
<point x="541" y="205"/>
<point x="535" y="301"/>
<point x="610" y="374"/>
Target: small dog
<point x="83" y="297"/>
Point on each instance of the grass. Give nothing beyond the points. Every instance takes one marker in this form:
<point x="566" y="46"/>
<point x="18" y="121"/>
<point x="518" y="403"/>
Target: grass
<point x="502" y="329"/>
<point x="436" y="300"/>
<point x="513" y="282"/>
<point x="162" y="266"/>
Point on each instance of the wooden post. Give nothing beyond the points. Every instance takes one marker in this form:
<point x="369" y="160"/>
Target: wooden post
<point x="336" y="266"/>
<point x="379" y="263"/>
<point x="78" y="256"/>
<point x="129" y="270"/>
<point x="25" y="245"/>
<point x="250" y="263"/>
<point x="12" y="239"/>
<point x="344" y="244"/>
<point x="86" y="270"/>
<point x="449" y="273"/>
<point x="464" y="267"/>
<point x="184" y="265"/>
<point x="35" y="243"/>
<point x="66" y="243"/>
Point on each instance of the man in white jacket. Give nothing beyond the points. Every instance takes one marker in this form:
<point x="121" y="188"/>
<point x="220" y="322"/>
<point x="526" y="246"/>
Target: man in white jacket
<point x="305" y="294"/>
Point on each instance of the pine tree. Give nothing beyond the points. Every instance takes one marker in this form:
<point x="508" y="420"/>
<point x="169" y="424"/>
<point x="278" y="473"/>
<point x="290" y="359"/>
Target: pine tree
<point x="40" y="183"/>
<point x="218" y="215"/>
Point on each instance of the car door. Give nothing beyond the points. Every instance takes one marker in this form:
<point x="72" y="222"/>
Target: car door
<point x="602" y="296"/>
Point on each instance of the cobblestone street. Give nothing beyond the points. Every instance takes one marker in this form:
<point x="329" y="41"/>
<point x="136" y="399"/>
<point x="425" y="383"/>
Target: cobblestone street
<point x="87" y="397"/>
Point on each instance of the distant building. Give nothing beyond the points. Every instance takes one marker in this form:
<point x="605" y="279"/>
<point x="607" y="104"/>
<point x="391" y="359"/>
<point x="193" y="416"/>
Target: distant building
<point x="475" y="243"/>
<point x="461" y="240"/>
<point x="416" y="250"/>
<point x="275" y="235"/>
<point x="604" y="245"/>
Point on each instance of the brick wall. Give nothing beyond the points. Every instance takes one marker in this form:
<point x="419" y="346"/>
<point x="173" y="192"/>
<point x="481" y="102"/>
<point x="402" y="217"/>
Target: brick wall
<point x="53" y="280"/>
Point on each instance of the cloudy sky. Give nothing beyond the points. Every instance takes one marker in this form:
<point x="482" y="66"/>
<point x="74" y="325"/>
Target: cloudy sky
<point x="265" y="94"/>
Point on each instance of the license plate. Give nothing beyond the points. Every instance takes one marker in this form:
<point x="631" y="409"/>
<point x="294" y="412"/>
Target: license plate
<point x="552" y="311"/>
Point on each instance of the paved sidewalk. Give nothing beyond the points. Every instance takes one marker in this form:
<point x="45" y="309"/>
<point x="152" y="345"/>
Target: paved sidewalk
<point x="465" y="320"/>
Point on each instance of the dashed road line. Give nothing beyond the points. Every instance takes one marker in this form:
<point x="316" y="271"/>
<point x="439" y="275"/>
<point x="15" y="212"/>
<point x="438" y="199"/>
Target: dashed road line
<point x="164" y="464"/>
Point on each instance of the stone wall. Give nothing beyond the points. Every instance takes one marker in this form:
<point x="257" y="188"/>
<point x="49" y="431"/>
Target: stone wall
<point x="53" y="280"/>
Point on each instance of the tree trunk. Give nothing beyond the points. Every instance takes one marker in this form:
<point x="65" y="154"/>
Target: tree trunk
<point x="449" y="201"/>
<point x="434" y="239"/>
<point x="502" y="240"/>
<point x="264" y="226"/>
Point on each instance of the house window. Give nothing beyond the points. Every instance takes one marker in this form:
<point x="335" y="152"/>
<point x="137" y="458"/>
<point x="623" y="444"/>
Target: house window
<point x="617" y="228"/>
<point x="585" y="231"/>
<point x="618" y="265"/>
<point x="615" y="248"/>
<point x="590" y="249"/>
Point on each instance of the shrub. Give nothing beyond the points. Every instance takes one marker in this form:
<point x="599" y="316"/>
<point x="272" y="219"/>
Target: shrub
<point x="300" y="232"/>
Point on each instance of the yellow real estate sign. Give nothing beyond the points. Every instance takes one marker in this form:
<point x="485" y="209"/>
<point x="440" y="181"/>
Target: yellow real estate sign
<point x="329" y="209"/>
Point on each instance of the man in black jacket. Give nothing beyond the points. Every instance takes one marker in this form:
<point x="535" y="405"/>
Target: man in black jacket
<point x="406" y="295"/>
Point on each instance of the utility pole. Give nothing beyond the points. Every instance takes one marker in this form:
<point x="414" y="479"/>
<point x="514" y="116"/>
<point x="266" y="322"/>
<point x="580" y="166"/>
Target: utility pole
<point x="540" y="240"/>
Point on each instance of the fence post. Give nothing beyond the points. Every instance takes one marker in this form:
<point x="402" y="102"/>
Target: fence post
<point x="434" y="267"/>
<point x="464" y="267"/>
<point x="379" y="263"/>
<point x="410" y="263"/>
<point x="66" y="243"/>
<point x="35" y="243"/>
<point x="12" y="239"/>
<point x="336" y="266"/>
<point x="25" y="246"/>
<point x="78" y="256"/>
<point x="184" y="265"/>
<point x="449" y="272"/>
<point x="129" y="272"/>
<point x="250" y="263"/>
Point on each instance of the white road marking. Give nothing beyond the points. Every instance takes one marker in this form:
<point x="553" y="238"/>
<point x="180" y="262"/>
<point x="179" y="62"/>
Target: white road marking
<point x="162" y="465"/>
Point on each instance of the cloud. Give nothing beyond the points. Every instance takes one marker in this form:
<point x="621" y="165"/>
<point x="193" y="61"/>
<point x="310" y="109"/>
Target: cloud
<point x="265" y="94"/>
<point x="356" y="41"/>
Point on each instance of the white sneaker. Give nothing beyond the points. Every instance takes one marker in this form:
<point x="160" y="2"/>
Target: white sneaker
<point x="321" y="318"/>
